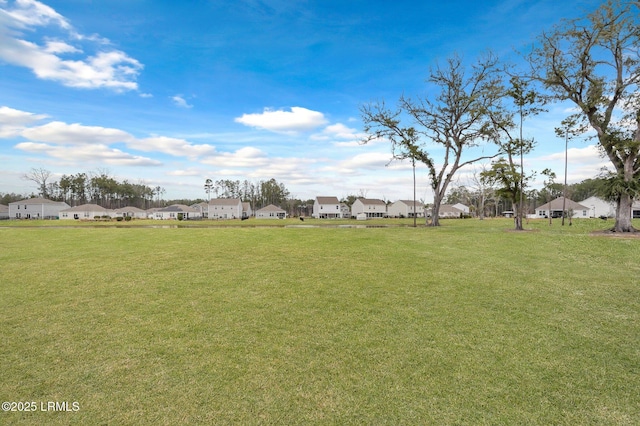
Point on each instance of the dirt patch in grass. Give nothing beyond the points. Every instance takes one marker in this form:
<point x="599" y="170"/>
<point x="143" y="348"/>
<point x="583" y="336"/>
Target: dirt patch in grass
<point x="610" y="233"/>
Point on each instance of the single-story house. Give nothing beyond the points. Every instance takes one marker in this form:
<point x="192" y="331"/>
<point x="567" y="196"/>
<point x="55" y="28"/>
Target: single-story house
<point x="462" y="207"/>
<point x="554" y="209"/>
<point x="635" y="210"/>
<point x="404" y="208"/>
<point x="599" y="207"/>
<point x="449" y="211"/>
<point x="327" y="208"/>
<point x="132" y="212"/>
<point x="372" y="207"/>
<point x="4" y="212"/>
<point x="36" y="208"/>
<point x="271" y="212"/>
<point x="151" y="213"/>
<point x="174" y="212"/>
<point x="225" y="208"/>
<point x="86" y="212"/>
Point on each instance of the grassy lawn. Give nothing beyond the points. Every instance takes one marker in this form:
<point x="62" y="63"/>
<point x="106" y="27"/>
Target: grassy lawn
<point x="464" y="324"/>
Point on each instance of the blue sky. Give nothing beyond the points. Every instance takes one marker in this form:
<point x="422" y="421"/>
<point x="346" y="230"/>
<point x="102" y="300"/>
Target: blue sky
<point x="170" y="93"/>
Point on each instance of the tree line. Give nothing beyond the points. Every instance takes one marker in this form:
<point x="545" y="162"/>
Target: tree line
<point x="105" y="190"/>
<point x="485" y="201"/>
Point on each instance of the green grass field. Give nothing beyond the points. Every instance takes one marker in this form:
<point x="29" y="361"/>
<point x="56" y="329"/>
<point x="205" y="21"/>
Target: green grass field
<point x="468" y="323"/>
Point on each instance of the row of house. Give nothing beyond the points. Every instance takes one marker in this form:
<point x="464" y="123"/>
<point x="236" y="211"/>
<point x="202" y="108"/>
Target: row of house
<point x="371" y="208"/>
<point x="42" y="208"/>
<point x="325" y="207"/>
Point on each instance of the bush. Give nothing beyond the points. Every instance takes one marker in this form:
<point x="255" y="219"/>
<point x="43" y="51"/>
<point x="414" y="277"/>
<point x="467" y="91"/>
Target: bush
<point x="127" y="218"/>
<point x="119" y="219"/>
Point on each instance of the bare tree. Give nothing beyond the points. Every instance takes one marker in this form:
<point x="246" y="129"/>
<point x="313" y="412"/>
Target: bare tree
<point x="40" y="177"/>
<point x="455" y="120"/>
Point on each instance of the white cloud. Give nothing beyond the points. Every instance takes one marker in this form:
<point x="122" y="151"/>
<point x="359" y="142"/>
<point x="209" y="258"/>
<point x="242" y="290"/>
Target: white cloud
<point x="111" y="69"/>
<point x="297" y="120"/>
<point x="179" y="100"/>
<point x="244" y="157"/>
<point x="13" y="121"/>
<point x="172" y="146"/>
<point x="368" y="160"/>
<point x="29" y="13"/>
<point x="56" y="47"/>
<point x="587" y="155"/>
<point x="75" y="134"/>
<point x="340" y="135"/>
<point x="186" y="172"/>
<point x="97" y="154"/>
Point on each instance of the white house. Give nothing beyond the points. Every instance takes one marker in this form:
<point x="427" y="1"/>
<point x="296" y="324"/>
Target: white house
<point x="345" y="210"/>
<point x="599" y="207"/>
<point x="4" y="212"/>
<point x="404" y="208"/>
<point x="225" y="208"/>
<point x="86" y="212"/>
<point x="635" y="210"/>
<point x="132" y="212"/>
<point x="36" y="208"/>
<point x="247" y="211"/>
<point x="464" y="209"/>
<point x="449" y="211"/>
<point x="371" y="207"/>
<point x="554" y="209"/>
<point x="271" y="212"/>
<point x="327" y="208"/>
<point x="175" y="211"/>
<point x="203" y="207"/>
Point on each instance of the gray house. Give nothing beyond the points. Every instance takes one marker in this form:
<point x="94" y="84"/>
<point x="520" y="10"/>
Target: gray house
<point x="36" y="208"/>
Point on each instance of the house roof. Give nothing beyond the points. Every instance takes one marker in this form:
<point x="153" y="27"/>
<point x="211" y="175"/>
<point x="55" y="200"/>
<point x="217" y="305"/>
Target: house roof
<point x="448" y="208"/>
<point x="225" y="201"/>
<point x="37" y="200"/>
<point x="129" y="209"/>
<point x="178" y="208"/>
<point x="246" y="206"/>
<point x="410" y="203"/>
<point x="327" y="200"/>
<point x="86" y="208"/>
<point x="372" y="201"/>
<point x="271" y="208"/>
<point x="557" y="205"/>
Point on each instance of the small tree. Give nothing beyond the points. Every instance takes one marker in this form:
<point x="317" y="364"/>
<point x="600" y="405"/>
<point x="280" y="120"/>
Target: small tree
<point x="548" y="185"/>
